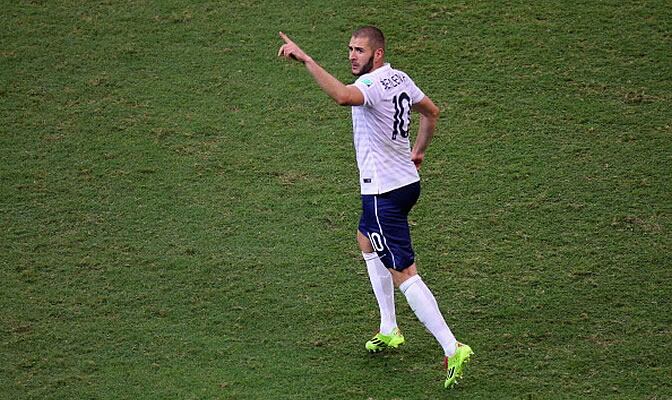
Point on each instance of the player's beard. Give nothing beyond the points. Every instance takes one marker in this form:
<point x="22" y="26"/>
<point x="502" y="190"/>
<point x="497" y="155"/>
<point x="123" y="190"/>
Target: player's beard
<point x="366" y="68"/>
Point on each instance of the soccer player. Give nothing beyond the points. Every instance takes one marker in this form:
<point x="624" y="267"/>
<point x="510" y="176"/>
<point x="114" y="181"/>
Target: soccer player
<point x="382" y="99"/>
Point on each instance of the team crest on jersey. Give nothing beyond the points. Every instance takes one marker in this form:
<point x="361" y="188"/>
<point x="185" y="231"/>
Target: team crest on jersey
<point x="368" y="82"/>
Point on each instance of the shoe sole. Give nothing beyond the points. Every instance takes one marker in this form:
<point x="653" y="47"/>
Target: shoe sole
<point x="379" y="349"/>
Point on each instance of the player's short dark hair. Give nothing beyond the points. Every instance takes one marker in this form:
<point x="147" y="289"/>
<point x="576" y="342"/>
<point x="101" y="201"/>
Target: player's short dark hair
<point x="373" y="34"/>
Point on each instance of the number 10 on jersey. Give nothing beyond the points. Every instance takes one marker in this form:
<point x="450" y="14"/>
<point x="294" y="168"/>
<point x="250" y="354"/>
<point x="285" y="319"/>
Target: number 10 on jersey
<point x="402" y="115"/>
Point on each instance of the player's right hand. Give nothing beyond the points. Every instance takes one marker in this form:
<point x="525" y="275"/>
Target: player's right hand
<point x="291" y="50"/>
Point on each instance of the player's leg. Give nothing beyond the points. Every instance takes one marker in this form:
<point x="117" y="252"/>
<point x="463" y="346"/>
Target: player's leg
<point x="376" y="211"/>
<point x="382" y="284"/>
<point x="425" y="307"/>
<point x="364" y="243"/>
<point x="399" y="257"/>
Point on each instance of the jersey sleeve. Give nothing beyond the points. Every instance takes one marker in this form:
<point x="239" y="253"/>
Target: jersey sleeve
<point x="414" y="91"/>
<point x="370" y="88"/>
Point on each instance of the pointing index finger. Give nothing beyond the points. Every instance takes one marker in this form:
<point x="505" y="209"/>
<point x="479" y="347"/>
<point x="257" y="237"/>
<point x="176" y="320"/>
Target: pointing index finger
<point x="285" y="37"/>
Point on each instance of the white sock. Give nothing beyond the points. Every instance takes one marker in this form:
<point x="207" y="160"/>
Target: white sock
<point x="424" y="305"/>
<point x="383" y="288"/>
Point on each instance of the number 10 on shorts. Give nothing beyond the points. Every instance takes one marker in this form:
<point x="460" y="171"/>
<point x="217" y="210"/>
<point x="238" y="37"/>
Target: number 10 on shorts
<point x="376" y="241"/>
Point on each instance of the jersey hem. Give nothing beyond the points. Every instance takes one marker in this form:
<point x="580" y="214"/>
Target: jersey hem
<point x="391" y="188"/>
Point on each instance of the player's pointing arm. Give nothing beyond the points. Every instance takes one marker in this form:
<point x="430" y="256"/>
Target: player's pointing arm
<point x="342" y="94"/>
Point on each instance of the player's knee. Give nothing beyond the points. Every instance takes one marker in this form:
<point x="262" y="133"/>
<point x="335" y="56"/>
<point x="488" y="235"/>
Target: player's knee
<point x="399" y="277"/>
<point x="364" y="243"/>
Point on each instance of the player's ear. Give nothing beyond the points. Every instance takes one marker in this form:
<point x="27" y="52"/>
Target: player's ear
<point x="378" y="55"/>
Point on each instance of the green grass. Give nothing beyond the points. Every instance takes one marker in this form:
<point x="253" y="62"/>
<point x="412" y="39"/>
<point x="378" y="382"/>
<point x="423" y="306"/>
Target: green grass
<point x="178" y="206"/>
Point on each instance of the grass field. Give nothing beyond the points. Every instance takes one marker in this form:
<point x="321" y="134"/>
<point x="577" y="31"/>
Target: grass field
<point x="178" y="206"/>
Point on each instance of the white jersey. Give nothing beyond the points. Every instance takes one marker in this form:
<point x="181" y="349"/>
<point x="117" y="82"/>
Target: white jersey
<point x="381" y="130"/>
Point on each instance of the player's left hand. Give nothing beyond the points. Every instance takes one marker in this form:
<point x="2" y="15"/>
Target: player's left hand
<point x="417" y="159"/>
<point x="291" y="50"/>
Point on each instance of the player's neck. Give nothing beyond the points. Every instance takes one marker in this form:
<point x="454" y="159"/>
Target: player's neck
<point x="377" y="65"/>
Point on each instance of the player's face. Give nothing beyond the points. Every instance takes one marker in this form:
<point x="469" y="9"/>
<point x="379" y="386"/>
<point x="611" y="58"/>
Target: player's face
<point x="360" y="55"/>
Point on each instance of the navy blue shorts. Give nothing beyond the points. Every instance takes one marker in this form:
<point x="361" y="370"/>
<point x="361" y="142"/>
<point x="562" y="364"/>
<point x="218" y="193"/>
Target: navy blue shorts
<point x="384" y="221"/>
